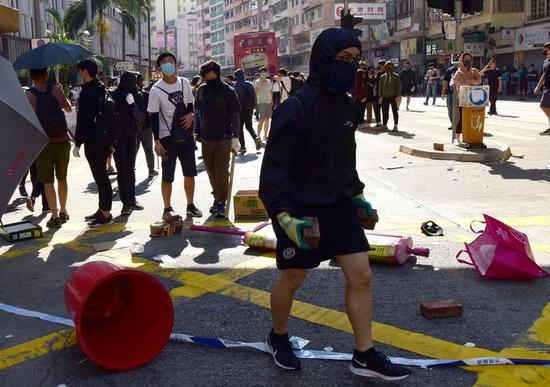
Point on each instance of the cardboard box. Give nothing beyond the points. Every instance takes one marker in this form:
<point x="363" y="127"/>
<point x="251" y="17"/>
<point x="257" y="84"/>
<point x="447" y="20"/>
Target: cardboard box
<point x="247" y="204"/>
<point x="21" y="231"/>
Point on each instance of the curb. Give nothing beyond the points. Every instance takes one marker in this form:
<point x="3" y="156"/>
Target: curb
<point x="494" y="152"/>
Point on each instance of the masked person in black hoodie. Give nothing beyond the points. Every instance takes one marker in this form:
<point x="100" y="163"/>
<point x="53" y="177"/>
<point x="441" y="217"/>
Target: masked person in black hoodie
<point x="247" y="100"/>
<point x="131" y="117"/>
<point x="217" y="126"/>
<point x="97" y="149"/>
<point x="309" y="169"/>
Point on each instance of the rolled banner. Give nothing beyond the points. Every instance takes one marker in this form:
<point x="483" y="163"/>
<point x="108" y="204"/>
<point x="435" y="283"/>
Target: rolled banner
<point x="301" y="353"/>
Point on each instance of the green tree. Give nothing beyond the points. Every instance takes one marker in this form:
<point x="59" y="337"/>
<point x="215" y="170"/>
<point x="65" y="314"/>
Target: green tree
<point x="128" y="10"/>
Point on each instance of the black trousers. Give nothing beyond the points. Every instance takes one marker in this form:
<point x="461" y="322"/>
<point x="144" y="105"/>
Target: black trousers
<point x="96" y="155"/>
<point x="377" y="108"/>
<point x="360" y="112"/>
<point x="245" y="116"/>
<point x="145" y="139"/>
<point x="386" y="110"/>
<point x="125" y="160"/>
<point x="493" y="96"/>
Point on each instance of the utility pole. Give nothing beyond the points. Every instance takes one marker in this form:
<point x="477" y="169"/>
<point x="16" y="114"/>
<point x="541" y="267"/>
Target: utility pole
<point x="423" y="20"/>
<point x="260" y="15"/>
<point x="149" y="69"/>
<point x="164" y="24"/>
<point x="458" y="19"/>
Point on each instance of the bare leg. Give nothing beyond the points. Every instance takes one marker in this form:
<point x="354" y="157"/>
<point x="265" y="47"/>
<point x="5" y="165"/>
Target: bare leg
<point x="62" y="191"/>
<point x="49" y="190"/>
<point x="166" y="189"/>
<point x="260" y="127"/>
<point x="189" y="187"/>
<point x="408" y="101"/>
<point x="358" y="275"/>
<point x="282" y="296"/>
<point x="266" y="127"/>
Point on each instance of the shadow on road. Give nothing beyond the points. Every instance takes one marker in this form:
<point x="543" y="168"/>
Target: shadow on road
<point x="508" y="170"/>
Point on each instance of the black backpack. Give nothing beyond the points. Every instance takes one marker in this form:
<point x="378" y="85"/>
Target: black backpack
<point x="178" y="135"/>
<point x="49" y="112"/>
<point x="107" y="120"/>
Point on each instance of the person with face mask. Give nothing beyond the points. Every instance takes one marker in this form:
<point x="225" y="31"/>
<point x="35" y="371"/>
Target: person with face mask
<point x="465" y="76"/>
<point x="309" y="169"/>
<point x="447" y="90"/>
<point x="218" y="126"/>
<point x="389" y="88"/>
<point x="408" y="82"/>
<point x="494" y="80"/>
<point x="264" y="91"/>
<point x="131" y="117"/>
<point x="96" y="150"/>
<point x="248" y="102"/>
<point x="544" y="86"/>
<point x="172" y="116"/>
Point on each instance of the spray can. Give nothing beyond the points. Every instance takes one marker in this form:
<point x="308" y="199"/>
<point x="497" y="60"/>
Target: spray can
<point x="392" y="249"/>
<point x="252" y="239"/>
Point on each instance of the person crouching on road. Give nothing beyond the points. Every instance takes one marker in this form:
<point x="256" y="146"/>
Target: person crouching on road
<point x="131" y="117"/>
<point x="309" y="169"/>
<point x="389" y="93"/>
<point x="217" y="128"/>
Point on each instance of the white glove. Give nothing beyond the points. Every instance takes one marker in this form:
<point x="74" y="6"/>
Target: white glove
<point x="130" y="99"/>
<point x="235" y="145"/>
<point x="76" y="151"/>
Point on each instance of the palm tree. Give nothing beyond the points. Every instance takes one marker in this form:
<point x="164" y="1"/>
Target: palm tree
<point x="75" y="17"/>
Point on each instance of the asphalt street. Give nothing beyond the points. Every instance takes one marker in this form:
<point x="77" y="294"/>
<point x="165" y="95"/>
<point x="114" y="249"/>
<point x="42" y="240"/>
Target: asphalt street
<point x="220" y="287"/>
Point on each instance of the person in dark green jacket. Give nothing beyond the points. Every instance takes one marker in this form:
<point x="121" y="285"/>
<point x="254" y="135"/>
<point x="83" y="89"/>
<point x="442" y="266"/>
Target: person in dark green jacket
<point x="389" y="93"/>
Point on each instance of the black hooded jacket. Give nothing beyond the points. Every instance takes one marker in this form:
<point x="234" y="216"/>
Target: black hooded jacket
<point x="216" y="111"/>
<point x="310" y="157"/>
<point x="131" y="116"/>
<point x="88" y="106"/>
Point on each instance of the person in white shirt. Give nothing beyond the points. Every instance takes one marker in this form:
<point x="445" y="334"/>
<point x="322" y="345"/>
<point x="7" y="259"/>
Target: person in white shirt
<point x="286" y="84"/>
<point x="264" y="93"/>
<point x="276" y="87"/>
<point x="171" y="107"/>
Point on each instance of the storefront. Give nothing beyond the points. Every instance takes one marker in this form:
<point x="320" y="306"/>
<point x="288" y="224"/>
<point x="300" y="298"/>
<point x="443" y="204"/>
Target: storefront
<point x="529" y="42"/>
<point x="500" y="46"/>
<point x="474" y="43"/>
<point x="439" y="51"/>
<point x="408" y="47"/>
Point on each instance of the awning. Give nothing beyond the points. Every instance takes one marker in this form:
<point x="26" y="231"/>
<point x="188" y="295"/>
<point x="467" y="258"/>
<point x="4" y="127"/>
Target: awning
<point x="9" y="19"/>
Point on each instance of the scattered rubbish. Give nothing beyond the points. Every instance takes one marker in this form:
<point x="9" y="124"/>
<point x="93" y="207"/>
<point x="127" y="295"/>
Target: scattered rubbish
<point x="302" y="354"/>
<point x="166" y="259"/>
<point x="455" y="179"/>
<point x="430" y="228"/>
<point x="384" y="248"/>
<point x="163" y="229"/>
<point x="61" y="385"/>
<point x="469" y="344"/>
<point x="501" y="252"/>
<point x="436" y="269"/>
<point x="392" y="167"/>
<point x="8" y="336"/>
<point x="394" y="157"/>
<point x="20" y="231"/>
<point x="135" y="246"/>
<point x="101" y="298"/>
<point x="441" y="309"/>
<point x="450" y="168"/>
<point x="247" y="205"/>
<point x="439" y="147"/>
<point x="298" y="343"/>
<point x="328" y="349"/>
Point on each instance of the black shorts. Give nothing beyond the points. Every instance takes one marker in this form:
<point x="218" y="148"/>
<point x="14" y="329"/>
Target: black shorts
<point x="341" y="234"/>
<point x="406" y="92"/>
<point x="545" y="100"/>
<point x="186" y="155"/>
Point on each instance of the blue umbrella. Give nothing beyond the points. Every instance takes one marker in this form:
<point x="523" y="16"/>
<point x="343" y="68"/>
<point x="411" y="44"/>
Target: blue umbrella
<point x="52" y="54"/>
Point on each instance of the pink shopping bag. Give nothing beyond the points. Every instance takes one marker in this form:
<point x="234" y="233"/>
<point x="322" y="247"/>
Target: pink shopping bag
<point x="502" y="252"/>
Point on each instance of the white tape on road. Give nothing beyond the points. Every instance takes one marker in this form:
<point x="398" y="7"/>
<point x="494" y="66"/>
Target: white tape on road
<point x="301" y="353"/>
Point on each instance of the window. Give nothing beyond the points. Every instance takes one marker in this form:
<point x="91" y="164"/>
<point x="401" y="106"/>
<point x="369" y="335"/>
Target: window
<point x="539" y="9"/>
<point x="279" y="7"/>
<point x="510" y="5"/>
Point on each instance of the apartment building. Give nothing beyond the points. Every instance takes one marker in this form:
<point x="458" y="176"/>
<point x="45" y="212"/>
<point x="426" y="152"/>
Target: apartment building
<point x="187" y="38"/>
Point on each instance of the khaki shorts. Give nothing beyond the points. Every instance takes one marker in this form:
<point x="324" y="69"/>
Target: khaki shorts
<point x="53" y="158"/>
<point x="265" y="110"/>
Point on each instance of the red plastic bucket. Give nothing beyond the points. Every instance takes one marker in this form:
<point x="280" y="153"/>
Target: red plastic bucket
<point x="123" y="317"/>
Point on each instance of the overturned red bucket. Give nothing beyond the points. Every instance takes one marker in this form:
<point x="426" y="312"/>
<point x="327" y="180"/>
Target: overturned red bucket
<point x="123" y="317"/>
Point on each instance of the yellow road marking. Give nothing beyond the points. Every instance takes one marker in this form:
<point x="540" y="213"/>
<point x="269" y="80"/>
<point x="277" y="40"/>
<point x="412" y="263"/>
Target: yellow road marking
<point x="36" y="348"/>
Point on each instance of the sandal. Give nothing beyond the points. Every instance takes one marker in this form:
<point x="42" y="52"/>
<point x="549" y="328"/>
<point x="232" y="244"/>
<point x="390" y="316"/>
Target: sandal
<point x="430" y="228"/>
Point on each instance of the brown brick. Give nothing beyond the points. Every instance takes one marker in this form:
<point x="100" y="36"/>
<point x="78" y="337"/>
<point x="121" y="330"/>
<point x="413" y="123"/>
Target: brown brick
<point x="441" y="309"/>
<point x="312" y="235"/>
<point x="368" y="222"/>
